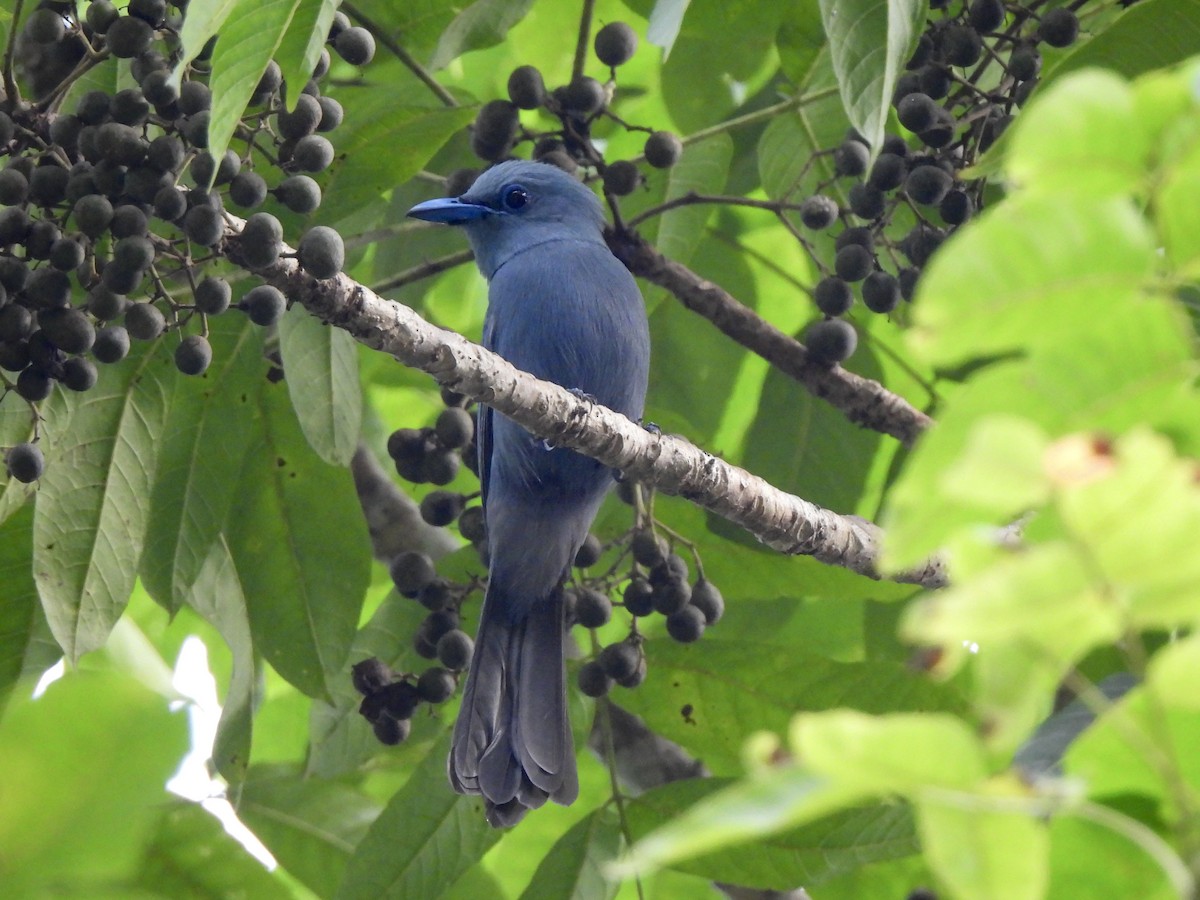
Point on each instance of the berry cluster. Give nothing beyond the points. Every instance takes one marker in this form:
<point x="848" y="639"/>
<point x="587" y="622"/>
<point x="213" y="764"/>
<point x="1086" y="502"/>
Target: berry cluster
<point x="645" y="572"/>
<point x="497" y="130"/>
<point x="911" y="198"/>
<point x="113" y="210"/>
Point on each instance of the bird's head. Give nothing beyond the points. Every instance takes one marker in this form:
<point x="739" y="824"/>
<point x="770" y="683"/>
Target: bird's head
<point x="515" y="206"/>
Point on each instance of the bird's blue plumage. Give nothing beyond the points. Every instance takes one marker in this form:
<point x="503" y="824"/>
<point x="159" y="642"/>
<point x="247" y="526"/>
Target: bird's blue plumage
<point x="563" y="308"/>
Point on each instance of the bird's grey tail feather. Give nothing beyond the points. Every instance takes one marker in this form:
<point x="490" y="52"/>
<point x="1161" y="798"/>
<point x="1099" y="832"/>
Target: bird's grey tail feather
<point x="512" y="741"/>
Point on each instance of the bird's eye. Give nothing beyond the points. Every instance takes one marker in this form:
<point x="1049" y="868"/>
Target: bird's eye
<point x="514" y="197"/>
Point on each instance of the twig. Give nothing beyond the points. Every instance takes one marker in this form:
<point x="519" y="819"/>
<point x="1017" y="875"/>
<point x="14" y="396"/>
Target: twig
<point x="401" y="54"/>
<point x="784" y="522"/>
<point x="863" y="401"/>
<point x="581" y="44"/>
<point x="10" y="86"/>
<point x="424" y="270"/>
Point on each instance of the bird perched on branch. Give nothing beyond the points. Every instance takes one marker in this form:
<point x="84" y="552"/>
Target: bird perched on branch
<point x="561" y="307"/>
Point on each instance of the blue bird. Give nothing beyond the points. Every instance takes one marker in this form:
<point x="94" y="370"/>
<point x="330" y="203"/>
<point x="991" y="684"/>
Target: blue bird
<point x="563" y="308"/>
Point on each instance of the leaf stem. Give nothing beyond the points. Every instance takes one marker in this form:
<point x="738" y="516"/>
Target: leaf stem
<point x="10" y="86"/>
<point x="581" y="44"/>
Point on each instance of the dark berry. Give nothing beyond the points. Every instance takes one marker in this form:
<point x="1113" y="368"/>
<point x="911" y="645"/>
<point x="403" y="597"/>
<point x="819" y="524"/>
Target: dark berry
<point x="833" y="296"/>
<point x="830" y="341"/>
<point x="321" y="252"/>
<point x="908" y="282"/>
<point x="593" y="680"/>
<point x="593" y="609"/>
<point x="436" y="595"/>
<point x="14" y="187"/>
<point x="986" y="15"/>
<point x="818" y="212"/>
<point x="111" y="344"/>
<point x="440" y="508"/>
<point x="1059" y="27"/>
<point x="620" y="660"/>
<point x="454" y="649"/>
<point x="584" y="96"/>
<point x="193" y="355"/>
<point x="648" y="550"/>
<point x="411" y="571"/>
<point x="247" y="190"/>
<point x="370" y="675"/>
<point x="686" y="625"/>
<point x="663" y="149"/>
<point x="956" y="207"/>
<point x="144" y="321"/>
<point x="707" y="599"/>
<point x="850" y="159"/>
<point x="67" y="254"/>
<point x="313" y="153"/>
<point x="332" y="114"/>
<point x="927" y="185"/>
<point x="34" y="385"/>
<point x="670" y="594"/>
<point x="853" y="262"/>
<point x="1025" y="63"/>
<point x="866" y="201"/>
<point x="100" y="15"/>
<point x="471" y="525"/>
<point x="355" y="45"/>
<point x="526" y="89"/>
<point x="881" y="292"/>
<point x="391" y="731"/>
<point x="639" y="597"/>
<point x="300" y="121"/>
<point x="265" y="304"/>
<point x="935" y="81"/>
<point x="25" y="463"/>
<point x="128" y="36"/>
<point x="588" y="553"/>
<point x="299" y="193"/>
<point x="70" y="330"/>
<point x="888" y="172"/>
<point x="436" y="685"/>
<point x="615" y="44"/>
<point x="916" y="112"/>
<point x="169" y="204"/>
<point x="406" y="444"/>
<point x="961" y="45"/>
<point x="204" y="225"/>
<point x="79" y="374"/>
<point x="621" y="178"/>
<point x="454" y="428"/>
<point x="261" y="241"/>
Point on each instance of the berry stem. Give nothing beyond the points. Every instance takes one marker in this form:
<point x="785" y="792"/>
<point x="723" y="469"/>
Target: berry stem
<point x="581" y="44"/>
<point x="12" y="93"/>
<point x="610" y="763"/>
<point x="401" y="54"/>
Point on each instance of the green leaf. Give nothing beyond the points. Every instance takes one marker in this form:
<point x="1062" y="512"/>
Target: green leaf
<point x="423" y="841"/>
<point x="218" y="596"/>
<point x="708" y="698"/>
<point x="1047" y="594"/>
<point x="1135" y="524"/>
<point x="322" y="378"/>
<point x="361" y="174"/>
<point x="18" y="598"/>
<point x="93" y="504"/>
<point x="191" y="855"/>
<point x="1034" y="268"/>
<point x="571" y="868"/>
<point x="300" y="49"/>
<point x="205" y="439"/>
<point x="752" y="808"/>
<point x="1000" y="469"/>
<point x="665" y="21"/>
<point x="482" y="24"/>
<point x="1153" y="34"/>
<point x="1075" y="846"/>
<point x="310" y="826"/>
<point x="203" y="20"/>
<point x="810" y="854"/>
<point x="1083" y="136"/>
<point x="85" y="767"/>
<point x="247" y="43"/>
<point x="983" y="853"/>
<point x="901" y="753"/>
<point x="300" y="544"/>
<point x="870" y="41"/>
<point x="702" y="169"/>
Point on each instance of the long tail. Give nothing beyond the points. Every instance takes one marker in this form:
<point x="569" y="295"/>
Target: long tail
<point x="512" y="741"/>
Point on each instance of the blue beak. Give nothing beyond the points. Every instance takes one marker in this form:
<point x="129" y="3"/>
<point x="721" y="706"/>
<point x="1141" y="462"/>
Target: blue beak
<point x="450" y="210"/>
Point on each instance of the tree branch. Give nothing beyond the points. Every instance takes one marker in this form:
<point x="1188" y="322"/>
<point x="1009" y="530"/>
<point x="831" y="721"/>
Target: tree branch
<point x="863" y="401"/>
<point x="786" y="523"/>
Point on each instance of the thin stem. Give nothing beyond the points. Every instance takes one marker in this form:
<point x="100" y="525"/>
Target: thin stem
<point x="581" y="45"/>
<point x="424" y="270"/>
<point x="1146" y="840"/>
<point x="692" y="198"/>
<point x="610" y="760"/>
<point x="10" y="86"/>
<point x="401" y="54"/>
<point x="760" y="115"/>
